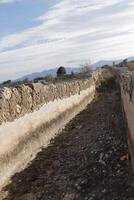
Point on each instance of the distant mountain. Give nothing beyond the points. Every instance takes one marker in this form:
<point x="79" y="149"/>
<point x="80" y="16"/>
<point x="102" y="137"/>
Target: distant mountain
<point x="109" y="62"/>
<point x="69" y="70"/>
<point x="105" y="62"/>
<point x="46" y="72"/>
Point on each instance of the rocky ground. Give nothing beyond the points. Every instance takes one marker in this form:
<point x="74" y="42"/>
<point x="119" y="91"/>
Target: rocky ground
<point x="87" y="161"/>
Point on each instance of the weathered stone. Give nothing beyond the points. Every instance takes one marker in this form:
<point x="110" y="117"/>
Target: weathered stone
<point x="15" y="102"/>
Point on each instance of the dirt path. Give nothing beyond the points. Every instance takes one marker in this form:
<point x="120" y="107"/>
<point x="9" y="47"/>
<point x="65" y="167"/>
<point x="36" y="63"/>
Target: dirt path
<point x="83" y="163"/>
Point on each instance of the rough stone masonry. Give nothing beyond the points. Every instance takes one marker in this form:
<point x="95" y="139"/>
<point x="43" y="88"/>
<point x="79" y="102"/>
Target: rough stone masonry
<point x="16" y="101"/>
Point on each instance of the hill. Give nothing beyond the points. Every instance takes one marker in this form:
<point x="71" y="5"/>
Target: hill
<point x="69" y="69"/>
<point x="47" y="72"/>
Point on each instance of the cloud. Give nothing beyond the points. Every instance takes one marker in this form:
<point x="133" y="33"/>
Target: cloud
<point x="97" y="29"/>
<point x="9" y="1"/>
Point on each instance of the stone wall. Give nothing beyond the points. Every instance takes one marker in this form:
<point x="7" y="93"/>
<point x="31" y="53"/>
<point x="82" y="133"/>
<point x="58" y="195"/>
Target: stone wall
<point x="31" y="115"/>
<point x="102" y="75"/>
<point x="126" y="80"/>
<point x="15" y="102"/>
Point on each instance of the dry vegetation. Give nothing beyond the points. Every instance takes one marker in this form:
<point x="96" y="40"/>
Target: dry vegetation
<point x="130" y="66"/>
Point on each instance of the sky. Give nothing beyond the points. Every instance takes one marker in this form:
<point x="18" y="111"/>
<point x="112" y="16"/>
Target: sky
<point x="40" y="34"/>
